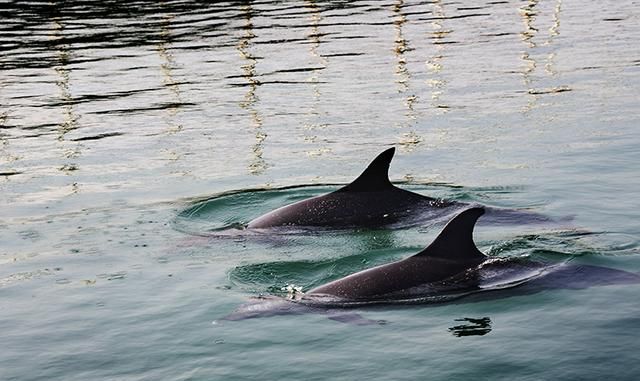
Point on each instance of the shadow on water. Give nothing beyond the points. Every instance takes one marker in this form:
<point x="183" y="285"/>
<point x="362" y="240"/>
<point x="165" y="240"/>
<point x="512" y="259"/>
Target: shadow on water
<point x="471" y="327"/>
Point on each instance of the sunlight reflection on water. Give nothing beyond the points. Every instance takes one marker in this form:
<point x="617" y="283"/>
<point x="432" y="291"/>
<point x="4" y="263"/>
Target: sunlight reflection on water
<point x="116" y="116"/>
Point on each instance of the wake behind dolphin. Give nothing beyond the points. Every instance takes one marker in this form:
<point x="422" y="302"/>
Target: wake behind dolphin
<point x="450" y="268"/>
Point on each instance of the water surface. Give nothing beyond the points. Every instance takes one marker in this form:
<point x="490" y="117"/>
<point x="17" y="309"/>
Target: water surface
<point x="117" y="118"/>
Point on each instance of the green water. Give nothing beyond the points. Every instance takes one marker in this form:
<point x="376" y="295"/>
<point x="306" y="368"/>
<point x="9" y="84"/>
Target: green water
<point x="129" y="133"/>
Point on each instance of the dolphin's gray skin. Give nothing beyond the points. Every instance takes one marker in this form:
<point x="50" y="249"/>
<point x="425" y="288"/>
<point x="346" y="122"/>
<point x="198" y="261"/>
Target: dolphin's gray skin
<point x="369" y="201"/>
<point x="452" y="252"/>
<point x="372" y="201"/>
<point x="450" y="268"/>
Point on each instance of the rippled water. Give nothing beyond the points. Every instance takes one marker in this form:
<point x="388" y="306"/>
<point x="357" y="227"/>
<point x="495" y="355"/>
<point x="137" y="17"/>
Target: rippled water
<point x="118" y="119"/>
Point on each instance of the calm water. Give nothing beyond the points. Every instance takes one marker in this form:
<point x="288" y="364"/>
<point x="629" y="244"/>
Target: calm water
<point x="117" y="118"/>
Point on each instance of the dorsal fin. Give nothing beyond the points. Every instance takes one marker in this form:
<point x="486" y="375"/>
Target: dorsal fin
<point x="375" y="177"/>
<point x="455" y="242"/>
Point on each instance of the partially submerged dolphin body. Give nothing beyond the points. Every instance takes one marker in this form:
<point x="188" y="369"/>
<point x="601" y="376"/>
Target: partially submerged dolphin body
<point x="451" y="253"/>
<point x="372" y="201"/>
<point x="451" y="267"/>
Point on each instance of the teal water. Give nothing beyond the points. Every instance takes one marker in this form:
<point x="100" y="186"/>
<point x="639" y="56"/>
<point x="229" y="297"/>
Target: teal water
<point x="118" y="121"/>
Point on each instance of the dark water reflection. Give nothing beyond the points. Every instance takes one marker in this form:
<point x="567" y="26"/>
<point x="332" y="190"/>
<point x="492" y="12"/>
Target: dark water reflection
<point x="471" y="327"/>
<point x="300" y="72"/>
<point x="41" y="29"/>
<point x="72" y="36"/>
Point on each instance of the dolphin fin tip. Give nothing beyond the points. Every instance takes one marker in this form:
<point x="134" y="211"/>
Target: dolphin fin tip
<point x="375" y="176"/>
<point x="455" y="241"/>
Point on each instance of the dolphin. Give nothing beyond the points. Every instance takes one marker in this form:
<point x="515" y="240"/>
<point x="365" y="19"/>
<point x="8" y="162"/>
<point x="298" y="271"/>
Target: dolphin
<point x="451" y="253"/>
<point x="368" y="201"/>
<point x="372" y="201"/>
<point x="450" y="268"/>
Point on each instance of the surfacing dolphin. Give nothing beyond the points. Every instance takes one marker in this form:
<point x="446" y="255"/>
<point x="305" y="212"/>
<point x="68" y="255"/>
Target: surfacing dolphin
<point x="372" y="201"/>
<point x="450" y="268"/>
